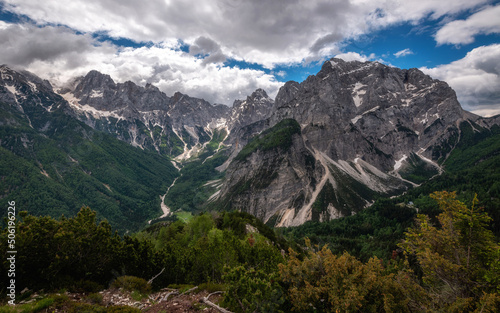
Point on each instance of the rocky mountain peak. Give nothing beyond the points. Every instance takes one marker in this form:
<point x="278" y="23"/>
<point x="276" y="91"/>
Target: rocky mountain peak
<point x="363" y="127"/>
<point x="95" y="78"/>
<point x="24" y="87"/>
<point x="94" y="81"/>
<point x="258" y="94"/>
<point x="177" y="97"/>
<point x="352" y="90"/>
<point x="150" y="86"/>
<point x="257" y="106"/>
<point x="11" y="76"/>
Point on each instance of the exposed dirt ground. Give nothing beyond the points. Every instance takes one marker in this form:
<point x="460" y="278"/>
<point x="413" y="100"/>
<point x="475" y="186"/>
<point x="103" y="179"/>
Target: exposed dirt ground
<point x="165" y="301"/>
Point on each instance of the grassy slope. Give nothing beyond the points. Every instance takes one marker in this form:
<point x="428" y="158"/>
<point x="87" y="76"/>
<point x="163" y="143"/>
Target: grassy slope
<point x="278" y="136"/>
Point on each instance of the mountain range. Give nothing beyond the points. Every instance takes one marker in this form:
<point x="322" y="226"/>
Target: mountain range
<point x="323" y="149"/>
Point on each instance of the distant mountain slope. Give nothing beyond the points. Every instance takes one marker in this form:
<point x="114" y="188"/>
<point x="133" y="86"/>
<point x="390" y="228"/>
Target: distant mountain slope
<point x="52" y="164"/>
<point x="142" y="116"/>
<point x="366" y="129"/>
<point x="325" y="148"/>
<point x="179" y="126"/>
<point x="473" y="167"/>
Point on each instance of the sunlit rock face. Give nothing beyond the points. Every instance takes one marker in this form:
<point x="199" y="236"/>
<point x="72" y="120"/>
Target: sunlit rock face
<point x="364" y="128"/>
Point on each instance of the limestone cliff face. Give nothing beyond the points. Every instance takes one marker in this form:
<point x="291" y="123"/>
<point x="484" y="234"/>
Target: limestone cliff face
<point x="353" y="109"/>
<point x="364" y="128"/>
<point x="273" y="172"/>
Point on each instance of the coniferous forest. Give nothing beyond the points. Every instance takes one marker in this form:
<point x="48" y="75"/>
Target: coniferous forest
<point x="445" y="262"/>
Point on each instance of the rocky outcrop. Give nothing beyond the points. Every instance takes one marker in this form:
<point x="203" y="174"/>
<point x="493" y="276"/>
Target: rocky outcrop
<point x="368" y="106"/>
<point x="284" y="160"/>
<point x="256" y="107"/>
<point x="31" y="96"/>
<point x="364" y="126"/>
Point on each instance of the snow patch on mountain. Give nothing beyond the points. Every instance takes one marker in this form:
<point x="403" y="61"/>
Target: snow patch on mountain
<point x="75" y="104"/>
<point x="13" y="90"/>
<point x="358" y="91"/>
<point x="96" y="94"/>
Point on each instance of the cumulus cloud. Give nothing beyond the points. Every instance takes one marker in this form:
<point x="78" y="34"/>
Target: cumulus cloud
<point x="173" y="70"/>
<point x="267" y="33"/>
<point x="58" y="54"/>
<point x="263" y="32"/>
<point x="25" y="44"/>
<point x="326" y="42"/>
<point x="208" y="49"/>
<point x="486" y="21"/>
<point x="390" y="12"/>
<point x="354" y="56"/>
<point x="403" y="53"/>
<point x="475" y="78"/>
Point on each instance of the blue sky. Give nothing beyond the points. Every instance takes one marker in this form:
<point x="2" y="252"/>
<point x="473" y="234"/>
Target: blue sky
<point x="222" y="50"/>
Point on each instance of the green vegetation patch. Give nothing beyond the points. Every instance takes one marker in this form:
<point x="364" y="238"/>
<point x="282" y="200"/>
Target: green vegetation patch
<point x="189" y="193"/>
<point x="218" y="137"/>
<point x="374" y="231"/>
<point x="278" y="136"/>
<point x="476" y="145"/>
<point x="132" y="283"/>
<point x="184" y="216"/>
<point x="418" y="170"/>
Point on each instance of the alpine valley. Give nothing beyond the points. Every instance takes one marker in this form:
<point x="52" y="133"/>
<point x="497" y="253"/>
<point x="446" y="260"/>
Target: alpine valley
<point x="323" y="149"/>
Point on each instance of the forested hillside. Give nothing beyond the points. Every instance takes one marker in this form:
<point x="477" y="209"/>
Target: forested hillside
<point x="53" y="164"/>
<point x="451" y="264"/>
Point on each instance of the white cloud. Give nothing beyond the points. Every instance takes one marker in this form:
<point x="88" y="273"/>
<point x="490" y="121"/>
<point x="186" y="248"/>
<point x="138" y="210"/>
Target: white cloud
<point x="486" y="111"/>
<point x="354" y="56"/>
<point x="486" y="21"/>
<point x="475" y="78"/>
<point x="262" y="32"/>
<point x="403" y="53"/>
<point x="267" y="33"/>
<point x="163" y="65"/>
<point x="394" y="11"/>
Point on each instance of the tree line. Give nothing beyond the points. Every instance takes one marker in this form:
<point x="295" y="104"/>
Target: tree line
<point x="450" y="263"/>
